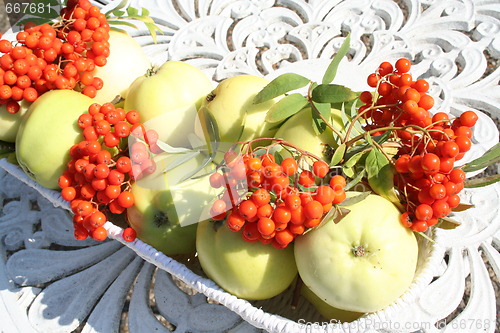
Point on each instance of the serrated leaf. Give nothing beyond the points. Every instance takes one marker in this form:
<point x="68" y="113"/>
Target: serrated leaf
<point x="172" y="150"/>
<point x="380" y="175"/>
<point x="202" y="166"/>
<point x="117" y="29"/>
<point x="286" y="107"/>
<point x="144" y="12"/>
<point x="49" y="14"/>
<point x="356" y="180"/>
<point x="331" y="71"/>
<point x="380" y="139"/>
<point x="210" y="129"/>
<point x="118" y="13"/>
<point x="491" y="156"/>
<point x="351" y="200"/>
<point x="117" y="22"/>
<point x="332" y="93"/>
<point x="324" y="109"/>
<point x="181" y="160"/>
<point x="131" y="11"/>
<point x="480" y="182"/>
<point x="348" y="171"/>
<point x="447" y="223"/>
<point x="121" y="5"/>
<point x="278" y="157"/>
<point x="355" y="158"/>
<point x="462" y="207"/>
<point x="338" y="155"/>
<point x="280" y="85"/>
<point x="336" y="214"/>
<point x="152" y="28"/>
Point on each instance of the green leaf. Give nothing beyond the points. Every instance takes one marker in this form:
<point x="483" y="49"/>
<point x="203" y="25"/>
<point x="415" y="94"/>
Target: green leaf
<point x="348" y="171"/>
<point x="118" y="13"/>
<point x="353" y="199"/>
<point x="463" y="207"/>
<point x="210" y="129"/>
<point x="355" y="158"/>
<point x="131" y="11"/>
<point x="181" y="160"/>
<point x="331" y="71"/>
<point x="117" y="29"/>
<point x="318" y="109"/>
<point x="356" y="180"/>
<point x="332" y="93"/>
<point x="447" y="223"/>
<point x="490" y="157"/>
<point x="280" y="85"/>
<point x="480" y="182"/>
<point x="286" y="107"/>
<point x="338" y="155"/>
<point x="152" y="28"/>
<point x="117" y="22"/>
<point x="380" y="175"/>
<point x="172" y="150"/>
<point x="121" y="5"/>
<point x="144" y="12"/>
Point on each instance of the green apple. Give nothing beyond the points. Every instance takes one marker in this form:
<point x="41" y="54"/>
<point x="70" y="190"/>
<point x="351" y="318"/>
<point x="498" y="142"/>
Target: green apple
<point x="166" y="208"/>
<point x="334" y="315"/>
<point x="168" y="99"/>
<point x="247" y="270"/>
<point x="362" y="263"/>
<point x="299" y="131"/>
<point x="126" y="62"/>
<point x="9" y="123"/>
<point x="47" y="132"/>
<point x="237" y="117"/>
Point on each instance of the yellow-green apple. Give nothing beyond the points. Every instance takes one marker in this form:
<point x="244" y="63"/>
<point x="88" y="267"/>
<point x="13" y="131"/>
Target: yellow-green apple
<point x="10" y="122"/>
<point x="166" y="208"/>
<point x="326" y="310"/>
<point x="231" y="106"/>
<point x="168" y="99"/>
<point x="47" y="132"/>
<point x="247" y="270"/>
<point x="362" y="263"/>
<point x="126" y="62"/>
<point x="299" y="131"/>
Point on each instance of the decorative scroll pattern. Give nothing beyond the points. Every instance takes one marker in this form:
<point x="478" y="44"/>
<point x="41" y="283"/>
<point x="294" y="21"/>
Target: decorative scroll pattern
<point x="52" y="283"/>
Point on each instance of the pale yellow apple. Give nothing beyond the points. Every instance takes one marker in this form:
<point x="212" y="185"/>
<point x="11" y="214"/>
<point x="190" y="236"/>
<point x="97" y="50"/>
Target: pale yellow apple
<point x="237" y="117"/>
<point x="166" y="208"/>
<point x="10" y="122"/>
<point x="299" y="131"/>
<point x="126" y="62"/>
<point x="168" y="99"/>
<point x="247" y="270"/>
<point x="363" y="263"/>
<point x="47" y="132"/>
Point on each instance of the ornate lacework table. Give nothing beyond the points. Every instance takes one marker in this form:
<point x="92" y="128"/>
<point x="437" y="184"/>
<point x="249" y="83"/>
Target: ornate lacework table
<point x="51" y="283"/>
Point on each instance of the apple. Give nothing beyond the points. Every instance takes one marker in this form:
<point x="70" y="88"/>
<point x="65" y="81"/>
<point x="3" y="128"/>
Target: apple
<point x="247" y="270"/>
<point x="47" y="131"/>
<point x="364" y="262"/>
<point x="10" y="122"/>
<point x="166" y="209"/>
<point x="126" y="62"/>
<point x="334" y="315"/>
<point x="298" y="130"/>
<point x="171" y="96"/>
<point x="237" y="117"/>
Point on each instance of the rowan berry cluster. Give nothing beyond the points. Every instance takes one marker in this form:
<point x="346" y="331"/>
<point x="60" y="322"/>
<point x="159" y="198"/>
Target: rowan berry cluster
<point x="430" y="144"/>
<point x="274" y="202"/>
<point x="99" y="174"/>
<point x="61" y="55"/>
